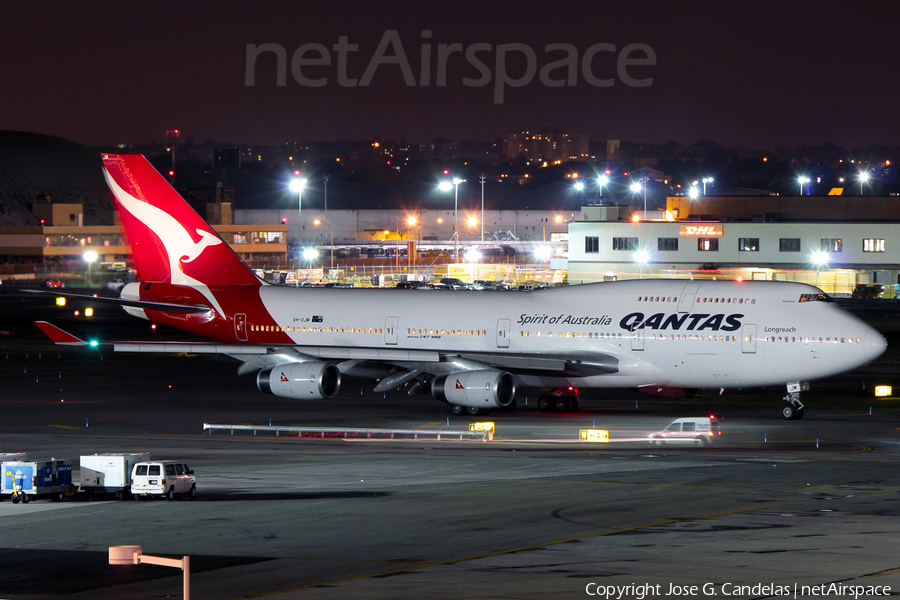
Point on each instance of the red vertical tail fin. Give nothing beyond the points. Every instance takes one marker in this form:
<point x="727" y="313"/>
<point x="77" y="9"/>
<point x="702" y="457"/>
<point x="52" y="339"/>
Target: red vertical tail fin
<point x="169" y="241"/>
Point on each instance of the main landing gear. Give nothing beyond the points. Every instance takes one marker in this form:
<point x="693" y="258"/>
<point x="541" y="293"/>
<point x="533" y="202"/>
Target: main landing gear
<point x="460" y="410"/>
<point x="559" y="400"/>
<point x="792" y="408"/>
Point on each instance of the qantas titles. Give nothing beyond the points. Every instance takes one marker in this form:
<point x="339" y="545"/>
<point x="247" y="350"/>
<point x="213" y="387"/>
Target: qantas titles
<point x="694" y="322"/>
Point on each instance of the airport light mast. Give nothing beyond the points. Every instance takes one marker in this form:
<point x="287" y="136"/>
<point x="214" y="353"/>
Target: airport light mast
<point x="297" y="184"/>
<point x="601" y="181"/>
<point x="446" y="186"/>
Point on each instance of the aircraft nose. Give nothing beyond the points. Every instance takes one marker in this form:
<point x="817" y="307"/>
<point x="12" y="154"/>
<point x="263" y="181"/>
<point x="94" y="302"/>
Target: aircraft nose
<point x="874" y="344"/>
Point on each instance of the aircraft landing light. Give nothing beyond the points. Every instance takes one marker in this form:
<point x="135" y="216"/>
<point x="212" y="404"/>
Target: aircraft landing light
<point x="883" y="391"/>
<point x="60" y="301"/>
<point x="593" y="435"/>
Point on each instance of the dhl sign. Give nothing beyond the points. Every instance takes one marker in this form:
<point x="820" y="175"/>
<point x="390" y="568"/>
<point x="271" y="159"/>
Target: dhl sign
<point x="701" y="230"/>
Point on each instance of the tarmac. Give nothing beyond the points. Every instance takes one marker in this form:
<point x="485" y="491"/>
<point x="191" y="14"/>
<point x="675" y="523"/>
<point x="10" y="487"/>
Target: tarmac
<point x="533" y="513"/>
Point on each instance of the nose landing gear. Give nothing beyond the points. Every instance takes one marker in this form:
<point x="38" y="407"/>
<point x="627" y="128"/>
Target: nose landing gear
<point x="792" y="408"/>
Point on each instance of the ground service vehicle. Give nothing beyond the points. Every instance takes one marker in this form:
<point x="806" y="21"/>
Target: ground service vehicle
<point x="702" y="431"/>
<point x="24" y="480"/>
<point x="109" y="473"/>
<point x="163" y="479"/>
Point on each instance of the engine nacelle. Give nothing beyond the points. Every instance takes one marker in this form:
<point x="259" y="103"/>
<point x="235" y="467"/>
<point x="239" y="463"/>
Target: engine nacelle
<point x="304" y="381"/>
<point x="669" y="392"/>
<point x="480" y="389"/>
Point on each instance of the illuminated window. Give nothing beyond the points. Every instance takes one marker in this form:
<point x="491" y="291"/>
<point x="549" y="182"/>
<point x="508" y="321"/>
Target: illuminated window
<point x="873" y="245"/>
<point x="748" y="245"/>
<point x="832" y="245"/>
<point x="708" y="244"/>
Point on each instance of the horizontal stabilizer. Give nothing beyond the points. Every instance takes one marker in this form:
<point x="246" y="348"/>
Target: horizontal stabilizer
<point x="145" y="304"/>
<point x="58" y="336"/>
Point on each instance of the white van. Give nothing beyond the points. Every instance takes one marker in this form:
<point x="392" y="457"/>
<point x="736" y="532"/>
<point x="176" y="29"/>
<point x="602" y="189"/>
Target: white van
<point x="164" y="478"/>
<point x="701" y="431"/>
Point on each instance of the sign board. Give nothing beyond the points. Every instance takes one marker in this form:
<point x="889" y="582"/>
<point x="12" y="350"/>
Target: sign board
<point x="593" y="435"/>
<point x="701" y="230"/>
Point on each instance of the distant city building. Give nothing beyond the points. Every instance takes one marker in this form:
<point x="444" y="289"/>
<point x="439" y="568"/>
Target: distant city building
<point x="548" y="147"/>
<point x="613" y="150"/>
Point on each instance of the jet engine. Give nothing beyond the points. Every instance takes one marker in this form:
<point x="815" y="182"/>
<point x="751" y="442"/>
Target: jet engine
<point x="304" y="381"/>
<point x="478" y="389"/>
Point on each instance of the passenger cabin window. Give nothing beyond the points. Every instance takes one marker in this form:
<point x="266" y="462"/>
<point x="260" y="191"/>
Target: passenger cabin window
<point x="141" y="470"/>
<point x="154" y="470"/>
<point x="170" y="469"/>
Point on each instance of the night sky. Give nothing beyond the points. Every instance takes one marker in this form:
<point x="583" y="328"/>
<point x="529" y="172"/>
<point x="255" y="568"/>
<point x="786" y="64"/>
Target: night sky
<point x="744" y="74"/>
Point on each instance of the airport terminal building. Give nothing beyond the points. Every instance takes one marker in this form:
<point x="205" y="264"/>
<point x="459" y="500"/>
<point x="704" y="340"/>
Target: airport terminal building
<point x="833" y="241"/>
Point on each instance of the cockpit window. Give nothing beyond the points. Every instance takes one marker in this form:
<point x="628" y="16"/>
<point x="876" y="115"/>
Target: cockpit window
<point x="815" y="298"/>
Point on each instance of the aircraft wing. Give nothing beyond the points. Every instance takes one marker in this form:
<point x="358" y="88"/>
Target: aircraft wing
<point x="258" y="356"/>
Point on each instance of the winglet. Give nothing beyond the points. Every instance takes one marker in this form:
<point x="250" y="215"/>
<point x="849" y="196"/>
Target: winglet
<point x="58" y="336"/>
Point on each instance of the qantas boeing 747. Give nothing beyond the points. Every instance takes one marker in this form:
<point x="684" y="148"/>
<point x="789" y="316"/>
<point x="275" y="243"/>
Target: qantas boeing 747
<point x="470" y="350"/>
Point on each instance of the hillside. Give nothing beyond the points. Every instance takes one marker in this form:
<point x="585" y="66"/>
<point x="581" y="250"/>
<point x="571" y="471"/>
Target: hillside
<point x="34" y="166"/>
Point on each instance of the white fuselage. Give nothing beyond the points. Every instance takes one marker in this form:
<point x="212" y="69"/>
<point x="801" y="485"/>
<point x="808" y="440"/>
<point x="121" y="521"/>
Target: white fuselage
<point x="672" y="333"/>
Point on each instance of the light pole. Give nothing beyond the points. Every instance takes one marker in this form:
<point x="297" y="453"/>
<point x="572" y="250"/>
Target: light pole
<point x="134" y="555"/>
<point x="693" y="193"/>
<point x="602" y="180"/>
<point x="863" y="180"/>
<point x="482" y="179"/>
<point x="641" y="256"/>
<point x="310" y="254"/>
<point x="641" y="185"/>
<point x="579" y="186"/>
<point x="90" y="256"/>
<point x="297" y="185"/>
<point x="318" y="222"/>
<point x="705" y="181"/>
<point x="820" y="258"/>
<point x="411" y="256"/>
<point x="802" y="181"/>
<point x="446" y="186"/>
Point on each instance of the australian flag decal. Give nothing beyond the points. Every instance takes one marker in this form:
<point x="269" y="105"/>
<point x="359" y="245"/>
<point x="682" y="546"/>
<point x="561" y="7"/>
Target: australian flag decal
<point x="317" y="318"/>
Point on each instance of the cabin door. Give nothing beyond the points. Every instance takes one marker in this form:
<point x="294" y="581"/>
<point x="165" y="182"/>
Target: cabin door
<point x="637" y="339"/>
<point x="390" y="330"/>
<point x="240" y="327"/>
<point x="503" y="333"/>
<point x="748" y="339"/>
<point x="688" y="294"/>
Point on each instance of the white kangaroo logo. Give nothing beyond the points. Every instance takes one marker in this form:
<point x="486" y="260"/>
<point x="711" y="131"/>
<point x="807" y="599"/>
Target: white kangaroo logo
<point x="180" y="247"/>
